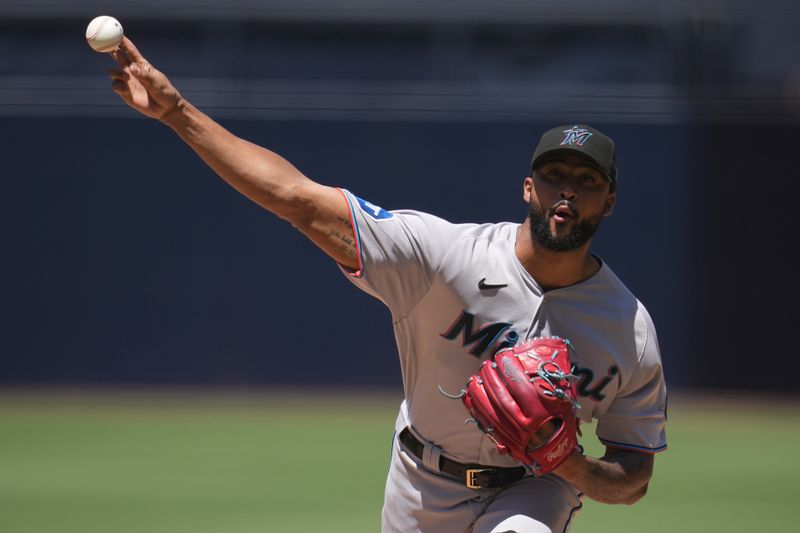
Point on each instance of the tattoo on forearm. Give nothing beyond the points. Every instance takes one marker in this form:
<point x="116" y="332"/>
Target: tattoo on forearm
<point x="345" y="221"/>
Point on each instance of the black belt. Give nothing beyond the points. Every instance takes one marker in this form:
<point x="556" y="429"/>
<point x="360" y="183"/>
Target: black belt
<point x="473" y="476"/>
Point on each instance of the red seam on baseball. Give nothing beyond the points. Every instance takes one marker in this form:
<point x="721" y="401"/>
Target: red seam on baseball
<point x="99" y="27"/>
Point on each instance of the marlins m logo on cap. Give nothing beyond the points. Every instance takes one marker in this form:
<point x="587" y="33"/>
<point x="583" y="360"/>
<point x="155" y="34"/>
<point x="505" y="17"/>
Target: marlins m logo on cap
<point x="575" y="138"/>
<point x="576" y="135"/>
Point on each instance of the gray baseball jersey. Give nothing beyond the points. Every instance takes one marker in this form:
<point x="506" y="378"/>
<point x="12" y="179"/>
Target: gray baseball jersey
<point x="457" y="293"/>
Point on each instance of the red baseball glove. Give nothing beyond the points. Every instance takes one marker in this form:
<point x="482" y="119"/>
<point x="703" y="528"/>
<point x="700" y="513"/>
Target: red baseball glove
<point x="521" y="395"/>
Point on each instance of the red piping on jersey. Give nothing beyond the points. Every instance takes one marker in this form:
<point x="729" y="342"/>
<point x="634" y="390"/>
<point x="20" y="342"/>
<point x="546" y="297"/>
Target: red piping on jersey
<point x="360" y="272"/>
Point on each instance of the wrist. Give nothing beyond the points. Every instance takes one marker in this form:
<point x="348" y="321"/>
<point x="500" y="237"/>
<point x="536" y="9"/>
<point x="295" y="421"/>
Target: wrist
<point x="573" y="465"/>
<point x="171" y="116"/>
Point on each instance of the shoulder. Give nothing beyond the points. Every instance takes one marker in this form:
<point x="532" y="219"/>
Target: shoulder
<point x="474" y="241"/>
<point x="491" y="232"/>
<point x="610" y="307"/>
<point x="646" y="354"/>
<point x="643" y="322"/>
<point x="605" y="297"/>
<point x="476" y="230"/>
<point x="453" y="233"/>
<point x="618" y="295"/>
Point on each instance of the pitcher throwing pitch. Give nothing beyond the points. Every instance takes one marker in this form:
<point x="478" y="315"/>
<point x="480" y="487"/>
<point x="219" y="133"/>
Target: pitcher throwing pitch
<point x="463" y="294"/>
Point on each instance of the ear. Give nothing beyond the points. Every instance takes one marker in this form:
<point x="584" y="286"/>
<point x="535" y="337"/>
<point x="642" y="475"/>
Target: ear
<point x="527" y="187"/>
<point x="611" y="201"/>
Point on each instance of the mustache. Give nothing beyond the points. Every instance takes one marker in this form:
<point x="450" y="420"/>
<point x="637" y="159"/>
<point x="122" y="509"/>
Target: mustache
<point x="563" y="203"/>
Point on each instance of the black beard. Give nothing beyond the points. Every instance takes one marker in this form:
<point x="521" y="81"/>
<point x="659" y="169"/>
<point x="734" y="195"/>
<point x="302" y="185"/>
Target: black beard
<point x="580" y="234"/>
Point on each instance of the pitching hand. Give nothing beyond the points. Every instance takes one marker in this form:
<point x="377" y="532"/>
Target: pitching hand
<point x="140" y="85"/>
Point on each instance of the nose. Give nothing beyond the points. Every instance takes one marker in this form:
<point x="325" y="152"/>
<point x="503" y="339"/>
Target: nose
<point x="568" y="191"/>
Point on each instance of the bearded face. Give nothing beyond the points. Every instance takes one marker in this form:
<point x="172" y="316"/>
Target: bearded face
<point x="561" y="228"/>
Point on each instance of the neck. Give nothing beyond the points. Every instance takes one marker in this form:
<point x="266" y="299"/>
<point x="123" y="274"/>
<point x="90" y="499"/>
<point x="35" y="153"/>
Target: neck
<point x="553" y="270"/>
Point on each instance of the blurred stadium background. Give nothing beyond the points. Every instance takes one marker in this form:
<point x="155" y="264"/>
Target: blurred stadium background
<point x="147" y="308"/>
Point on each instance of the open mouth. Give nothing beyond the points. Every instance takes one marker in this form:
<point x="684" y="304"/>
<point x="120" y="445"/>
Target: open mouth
<point x="562" y="213"/>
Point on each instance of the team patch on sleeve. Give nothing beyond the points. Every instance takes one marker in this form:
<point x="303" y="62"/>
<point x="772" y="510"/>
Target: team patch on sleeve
<point x="373" y="211"/>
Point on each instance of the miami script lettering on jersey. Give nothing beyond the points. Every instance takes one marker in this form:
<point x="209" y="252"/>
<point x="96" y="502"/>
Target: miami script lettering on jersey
<point x="489" y="335"/>
<point x="490" y="338"/>
<point x="595" y="392"/>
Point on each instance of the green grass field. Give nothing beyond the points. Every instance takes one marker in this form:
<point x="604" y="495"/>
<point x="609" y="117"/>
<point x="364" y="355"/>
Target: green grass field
<point x="123" y="463"/>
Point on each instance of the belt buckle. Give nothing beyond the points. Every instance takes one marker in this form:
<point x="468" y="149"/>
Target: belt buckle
<point x="471" y="473"/>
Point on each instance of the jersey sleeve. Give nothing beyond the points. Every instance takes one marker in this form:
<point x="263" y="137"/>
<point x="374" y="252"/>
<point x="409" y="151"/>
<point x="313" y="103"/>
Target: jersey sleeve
<point x="399" y="252"/>
<point x="636" y="419"/>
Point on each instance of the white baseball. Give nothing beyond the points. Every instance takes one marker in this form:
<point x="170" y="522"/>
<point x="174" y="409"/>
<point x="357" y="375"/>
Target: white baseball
<point x="104" y="33"/>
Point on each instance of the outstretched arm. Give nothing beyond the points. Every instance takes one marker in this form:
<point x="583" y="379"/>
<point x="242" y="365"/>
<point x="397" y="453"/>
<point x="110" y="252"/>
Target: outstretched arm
<point x="269" y="180"/>
<point x="620" y="476"/>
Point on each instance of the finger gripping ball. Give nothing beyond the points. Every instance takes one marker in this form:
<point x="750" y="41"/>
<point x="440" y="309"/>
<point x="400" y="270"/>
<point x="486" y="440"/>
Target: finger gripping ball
<point x="104" y="33"/>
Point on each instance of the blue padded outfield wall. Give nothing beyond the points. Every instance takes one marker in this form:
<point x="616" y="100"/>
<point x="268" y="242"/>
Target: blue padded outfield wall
<point x="126" y="261"/>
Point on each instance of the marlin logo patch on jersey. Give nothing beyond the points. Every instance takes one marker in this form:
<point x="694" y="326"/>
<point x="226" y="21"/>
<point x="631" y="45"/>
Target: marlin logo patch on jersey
<point x="576" y="135"/>
<point x="373" y="211"/>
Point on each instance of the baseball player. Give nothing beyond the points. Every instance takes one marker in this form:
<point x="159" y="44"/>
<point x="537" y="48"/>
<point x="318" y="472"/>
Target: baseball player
<point x="459" y="294"/>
